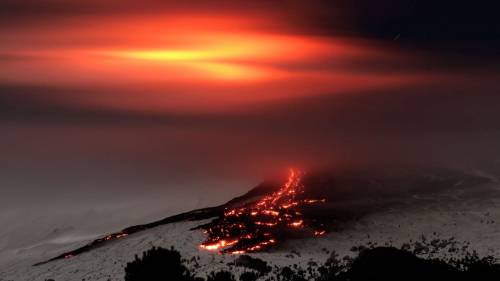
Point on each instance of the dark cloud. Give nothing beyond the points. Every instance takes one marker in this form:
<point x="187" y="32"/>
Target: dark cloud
<point x="387" y="19"/>
<point x="15" y="57"/>
<point x="35" y="10"/>
<point x="415" y="110"/>
<point x="407" y="19"/>
<point x="412" y="121"/>
<point x="39" y="104"/>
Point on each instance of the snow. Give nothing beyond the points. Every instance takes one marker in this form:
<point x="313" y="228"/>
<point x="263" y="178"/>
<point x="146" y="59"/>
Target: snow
<point x="464" y="215"/>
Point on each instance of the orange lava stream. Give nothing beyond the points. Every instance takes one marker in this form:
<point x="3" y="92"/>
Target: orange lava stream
<point x="258" y="225"/>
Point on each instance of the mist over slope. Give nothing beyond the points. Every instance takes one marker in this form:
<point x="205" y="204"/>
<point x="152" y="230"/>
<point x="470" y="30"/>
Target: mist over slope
<point x="385" y="206"/>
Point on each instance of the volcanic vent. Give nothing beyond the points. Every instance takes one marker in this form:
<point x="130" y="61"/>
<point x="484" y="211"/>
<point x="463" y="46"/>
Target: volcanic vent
<point x="260" y="224"/>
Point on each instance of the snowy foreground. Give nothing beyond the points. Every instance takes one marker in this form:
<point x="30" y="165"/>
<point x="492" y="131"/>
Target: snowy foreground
<point x="465" y="214"/>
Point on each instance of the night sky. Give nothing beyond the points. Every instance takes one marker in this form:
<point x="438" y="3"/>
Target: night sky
<point x="146" y="108"/>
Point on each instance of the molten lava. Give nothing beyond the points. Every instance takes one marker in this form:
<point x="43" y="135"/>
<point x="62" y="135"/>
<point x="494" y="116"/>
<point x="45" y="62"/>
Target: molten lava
<point x="260" y="224"/>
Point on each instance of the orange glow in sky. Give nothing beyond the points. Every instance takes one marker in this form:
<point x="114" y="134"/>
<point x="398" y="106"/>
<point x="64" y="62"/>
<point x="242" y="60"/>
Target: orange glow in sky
<point x="229" y="56"/>
<point x="187" y="62"/>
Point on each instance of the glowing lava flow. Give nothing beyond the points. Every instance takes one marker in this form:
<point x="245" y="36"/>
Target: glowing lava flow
<point x="259" y="225"/>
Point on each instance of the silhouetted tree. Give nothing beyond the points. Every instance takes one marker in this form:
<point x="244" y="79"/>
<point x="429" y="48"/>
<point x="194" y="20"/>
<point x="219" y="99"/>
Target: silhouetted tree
<point x="249" y="276"/>
<point x="288" y="274"/>
<point x="158" y="264"/>
<point x="252" y="263"/>
<point x="380" y="263"/>
<point x="220" y="276"/>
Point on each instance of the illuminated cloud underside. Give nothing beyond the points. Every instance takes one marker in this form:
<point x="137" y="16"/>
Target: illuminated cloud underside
<point x="188" y="63"/>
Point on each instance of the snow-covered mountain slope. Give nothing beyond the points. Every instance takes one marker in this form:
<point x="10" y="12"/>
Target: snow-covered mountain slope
<point x="432" y="204"/>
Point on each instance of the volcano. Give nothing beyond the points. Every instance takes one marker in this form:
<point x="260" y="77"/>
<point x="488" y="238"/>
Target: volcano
<point x="304" y="205"/>
<point x="299" y="218"/>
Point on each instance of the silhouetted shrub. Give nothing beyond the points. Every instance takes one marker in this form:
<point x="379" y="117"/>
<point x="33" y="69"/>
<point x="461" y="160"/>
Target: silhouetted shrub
<point x="332" y="268"/>
<point x="220" y="276"/>
<point x="158" y="264"/>
<point x="483" y="270"/>
<point x="374" y="264"/>
<point x="249" y="276"/>
<point x="393" y="264"/>
<point x="288" y="274"/>
<point x="252" y="263"/>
